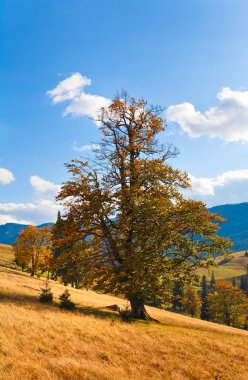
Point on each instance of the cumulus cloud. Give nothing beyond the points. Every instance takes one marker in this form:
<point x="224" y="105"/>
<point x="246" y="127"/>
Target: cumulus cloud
<point x="6" y="176"/>
<point x="10" y="219"/>
<point x="229" y="187"/>
<point x="43" y="186"/>
<point x="81" y="103"/>
<point x="85" y="148"/>
<point x="227" y="121"/>
<point x="38" y="212"/>
<point x="41" y="209"/>
<point x="207" y="186"/>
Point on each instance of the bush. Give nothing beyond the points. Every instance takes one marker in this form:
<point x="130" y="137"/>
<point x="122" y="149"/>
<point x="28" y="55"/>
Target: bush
<point x="65" y="302"/>
<point x="46" y="295"/>
<point x="126" y="314"/>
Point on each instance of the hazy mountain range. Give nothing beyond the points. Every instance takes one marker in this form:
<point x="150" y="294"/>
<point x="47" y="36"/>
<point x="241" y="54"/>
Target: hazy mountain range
<point x="236" y="226"/>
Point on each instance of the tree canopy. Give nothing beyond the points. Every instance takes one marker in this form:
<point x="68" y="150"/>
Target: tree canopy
<point x="32" y="249"/>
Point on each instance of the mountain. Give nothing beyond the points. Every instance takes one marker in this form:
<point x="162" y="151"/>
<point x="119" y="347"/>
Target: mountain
<point x="236" y="226"/>
<point x="10" y="231"/>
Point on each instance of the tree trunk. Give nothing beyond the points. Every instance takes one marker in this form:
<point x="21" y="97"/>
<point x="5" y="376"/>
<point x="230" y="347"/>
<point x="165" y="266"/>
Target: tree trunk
<point x="77" y="283"/>
<point x="138" y="308"/>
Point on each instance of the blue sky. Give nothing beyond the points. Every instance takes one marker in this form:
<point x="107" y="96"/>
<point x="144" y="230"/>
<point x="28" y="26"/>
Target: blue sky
<point x="190" y="56"/>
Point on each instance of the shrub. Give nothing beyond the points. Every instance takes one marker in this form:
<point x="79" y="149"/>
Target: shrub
<point x="65" y="302"/>
<point x="126" y="314"/>
<point x="46" y="295"/>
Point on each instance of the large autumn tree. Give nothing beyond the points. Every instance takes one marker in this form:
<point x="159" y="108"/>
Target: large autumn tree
<point x="128" y="203"/>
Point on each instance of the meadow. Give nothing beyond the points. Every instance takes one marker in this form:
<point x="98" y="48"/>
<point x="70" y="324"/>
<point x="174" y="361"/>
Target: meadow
<point x="43" y="342"/>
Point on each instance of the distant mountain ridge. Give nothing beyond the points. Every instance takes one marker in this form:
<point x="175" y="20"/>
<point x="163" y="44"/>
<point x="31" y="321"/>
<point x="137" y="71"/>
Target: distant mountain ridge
<point x="236" y="226"/>
<point x="10" y="231"/>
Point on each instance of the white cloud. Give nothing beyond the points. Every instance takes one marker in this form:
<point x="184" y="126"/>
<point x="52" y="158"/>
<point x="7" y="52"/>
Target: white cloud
<point x="229" y="187"/>
<point x="207" y="186"/>
<point x="81" y="104"/>
<point x="228" y="121"/>
<point x="38" y="212"/>
<point x="41" y="209"/>
<point x="85" y="148"/>
<point x="6" y="176"/>
<point x="43" y="186"/>
<point x="10" y="219"/>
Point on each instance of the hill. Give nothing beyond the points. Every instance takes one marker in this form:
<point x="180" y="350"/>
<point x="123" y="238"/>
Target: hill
<point x="10" y="231"/>
<point x="228" y="268"/>
<point x="44" y="342"/>
<point x="236" y="226"/>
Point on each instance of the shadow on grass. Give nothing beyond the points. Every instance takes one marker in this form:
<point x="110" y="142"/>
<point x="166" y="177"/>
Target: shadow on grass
<point x="97" y="312"/>
<point x="18" y="298"/>
<point x="33" y="300"/>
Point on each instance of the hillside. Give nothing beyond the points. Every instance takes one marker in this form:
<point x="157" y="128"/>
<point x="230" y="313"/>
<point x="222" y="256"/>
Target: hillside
<point x="43" y="342"/>
<point x="6" y="255"/>
<point x="236" y="266"/>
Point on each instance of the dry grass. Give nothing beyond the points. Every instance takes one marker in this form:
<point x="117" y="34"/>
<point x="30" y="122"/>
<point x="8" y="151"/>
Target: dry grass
<point x="41" y="342"/>
<point x="6" y="255"/>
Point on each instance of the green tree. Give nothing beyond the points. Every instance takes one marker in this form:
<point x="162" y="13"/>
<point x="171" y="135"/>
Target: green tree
<point x="128" y="202"/>
<point x="244" y="283"/>
<point x="69" y="253"/>
<point x="177" y="295"/>
<point x="204" y="303"/>
<point x="212" y="281"/>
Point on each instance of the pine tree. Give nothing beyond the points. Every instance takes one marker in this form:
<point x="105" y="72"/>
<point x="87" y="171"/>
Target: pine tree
<point x="244" y="283"/>
<point x="204" y="293"/>
<point x="212" y="281"/>
<point x="177" y="295"/>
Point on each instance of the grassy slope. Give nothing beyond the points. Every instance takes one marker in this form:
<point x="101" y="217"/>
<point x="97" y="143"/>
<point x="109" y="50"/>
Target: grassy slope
<point x="6" y="255"/>
<point x="41" y="342"/>
<point x="236" y="267"/>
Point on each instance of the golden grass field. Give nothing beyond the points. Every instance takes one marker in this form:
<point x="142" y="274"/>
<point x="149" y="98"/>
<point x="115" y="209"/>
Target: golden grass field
<point x="43" y="342"/>
<point x="6" y="255"/>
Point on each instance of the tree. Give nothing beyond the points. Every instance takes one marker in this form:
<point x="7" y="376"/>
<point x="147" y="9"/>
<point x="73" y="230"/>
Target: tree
<point x="128" y="202"/>
<point x="177" y="295"/>
<point x="32" y="247"/>
<point x="228" y="304"/>
<point x="68" y="253"/>
<point x="204" y="304"/>
<point x="212" y="281"/>
<point x="244" y="283"/>
<point x="191" y="301"/>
